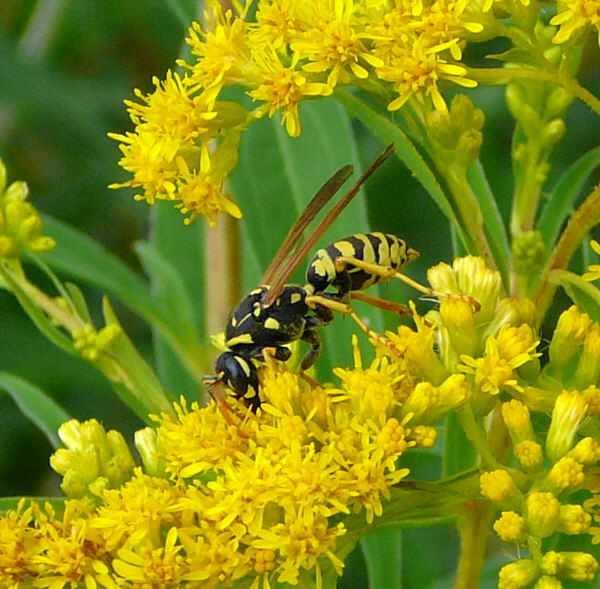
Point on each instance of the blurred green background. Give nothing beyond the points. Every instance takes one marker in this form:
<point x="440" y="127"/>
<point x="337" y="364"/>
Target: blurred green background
<point x="65" y="68"/>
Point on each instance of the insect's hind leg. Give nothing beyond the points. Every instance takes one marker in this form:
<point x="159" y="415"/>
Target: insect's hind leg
<point x="341" y="307"/>
<point x="390" y="306"/>
<point x="387" y="272"/>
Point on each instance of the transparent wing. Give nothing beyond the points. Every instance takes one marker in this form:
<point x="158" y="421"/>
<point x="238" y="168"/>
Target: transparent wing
<point x="288" y="262"/>
<point x="279" y="263"/>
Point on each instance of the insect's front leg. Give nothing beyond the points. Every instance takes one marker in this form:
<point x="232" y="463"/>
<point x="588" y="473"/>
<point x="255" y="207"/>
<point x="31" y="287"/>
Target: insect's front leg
<point x="311" y="337"/>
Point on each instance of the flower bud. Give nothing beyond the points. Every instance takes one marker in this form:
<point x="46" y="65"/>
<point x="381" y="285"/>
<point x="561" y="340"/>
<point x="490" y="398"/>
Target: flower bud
<point x="543" y="513"/>
<point x="499" y="486"/>
<point x="518" y="575"/>
<point x="529" y="253"/>
<point x="569" y="411"/>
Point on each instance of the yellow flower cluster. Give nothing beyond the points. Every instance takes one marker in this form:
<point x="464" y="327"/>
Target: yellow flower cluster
<point x="574" y="16"/>
<point x="186" y="136"/>
<point x="533" y="498"/>
<point x="279" y="496"/>
<point x="20" y="223"/>
<point x="263" y="500"/>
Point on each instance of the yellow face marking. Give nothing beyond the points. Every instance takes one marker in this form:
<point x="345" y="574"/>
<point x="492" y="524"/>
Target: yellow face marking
<point x="244" y="338"/>
<point x="295" y="298"/>
<point x="272" y="323"/>
<point x="244" y="366"/>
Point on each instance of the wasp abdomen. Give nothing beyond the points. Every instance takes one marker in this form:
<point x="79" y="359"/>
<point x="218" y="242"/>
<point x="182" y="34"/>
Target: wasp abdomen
<point x="381" y="249"/>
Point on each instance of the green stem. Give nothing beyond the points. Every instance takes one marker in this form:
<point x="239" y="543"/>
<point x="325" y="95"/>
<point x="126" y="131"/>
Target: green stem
<point x="473" y="530"/>
<point x="502" y="76"/>
<point x="528" y="190"/>
<point x="582" y="221"/>
<point x="475" y="432"/>
<point x="469" y="212"/>
<point x="48" y="305"/>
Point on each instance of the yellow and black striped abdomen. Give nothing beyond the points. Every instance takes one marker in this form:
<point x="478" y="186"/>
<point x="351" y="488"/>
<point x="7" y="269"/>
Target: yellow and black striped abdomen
<point x="381" y="249"/>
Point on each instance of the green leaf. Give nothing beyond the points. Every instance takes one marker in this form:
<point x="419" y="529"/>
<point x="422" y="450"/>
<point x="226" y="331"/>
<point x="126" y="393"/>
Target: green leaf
<point x="583" y="293"/>
<point x="184" y="10"/>
<point x="382" y="549"/>
<point x="494" y="228"/>
<point x="406" y="151"/>
<point x="79" y="256"/>
<point x="38" y="407"/>
<point x="170" y="293"/>
<point x="561" y="200"/>
<point x="514" y="55"/>
<point x="136" y="383"/>
<point x="78" y="301"/>
<point x="459" y="453"/>
<point x="36" y="314"/>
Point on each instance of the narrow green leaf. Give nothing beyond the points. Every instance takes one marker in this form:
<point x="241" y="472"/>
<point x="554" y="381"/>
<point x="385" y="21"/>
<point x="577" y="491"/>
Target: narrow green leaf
<point x="183" y="247"/>
<point x="459" y="453"/>
<point x="494" y="228"/>
<point x="39" y="318"/>
<point x="562" y="199"/>
<point x="583" y="293"/>
<point x="382" y="549"/>
<point x="38" y="407"/>
<point x="78" y="301"/>
<point x="387" y="131"/>
<point x="170" y="293"/>
<point x="79" y="256"/>
<point x="136" y="383"/>
<point x="184" y="10"/>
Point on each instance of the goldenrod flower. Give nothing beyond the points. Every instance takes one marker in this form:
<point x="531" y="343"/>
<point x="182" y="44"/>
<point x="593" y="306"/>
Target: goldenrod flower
<point x="291" y="52"/>
<point x="542" y="511"/>
<point x="93" y="459"/>
<point x="573" y="15"/>
<point x="567" y="473"/>
<point x="529" y="454"/>
<point x="578" y="566"/>
<point x="510" y="526"/>
<point x="282" y="87"/>
<point x="498" y="486"/>
<point x="574" y="520"/>
<point x="568" y="336"/>
<point x="20" y="223"/>
<point x="516" y="417"/>
<point x="149" y="566"/>
<point x="331" y="43"/>
<point x="593" y="272"/>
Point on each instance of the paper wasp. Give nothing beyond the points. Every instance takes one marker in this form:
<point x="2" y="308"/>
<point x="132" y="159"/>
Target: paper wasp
<point x="277" y="314"/>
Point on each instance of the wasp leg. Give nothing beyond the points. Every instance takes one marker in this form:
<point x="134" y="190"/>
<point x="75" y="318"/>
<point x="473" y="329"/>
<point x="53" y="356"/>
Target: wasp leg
<point x="387" y="272"/>
<point x="341" y="307"/>
<point x="310" y="336"/>
<point x="398" y="308"/>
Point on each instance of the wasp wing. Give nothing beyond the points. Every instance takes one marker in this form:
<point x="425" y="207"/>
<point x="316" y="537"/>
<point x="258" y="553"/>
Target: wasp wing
<point x="330" y="217"/>
<point x="279" y="271"/>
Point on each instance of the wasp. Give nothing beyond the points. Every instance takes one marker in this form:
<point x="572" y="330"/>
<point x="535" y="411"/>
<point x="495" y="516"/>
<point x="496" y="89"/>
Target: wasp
<point x="276" y="314"/>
